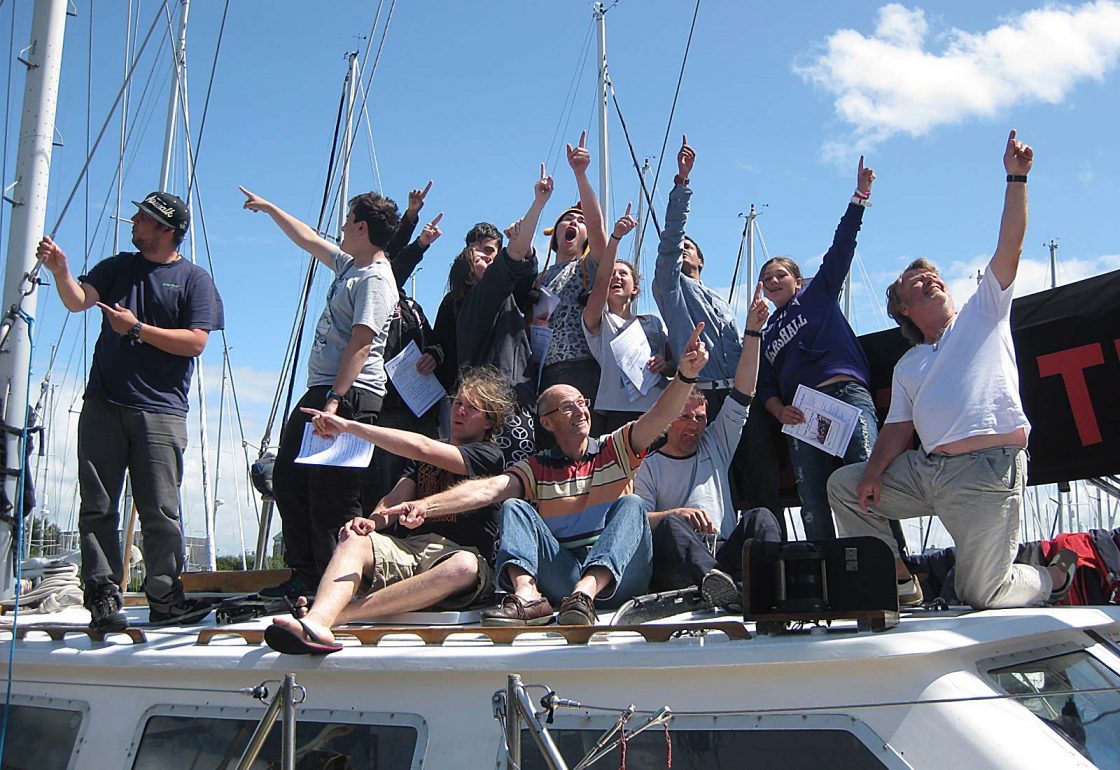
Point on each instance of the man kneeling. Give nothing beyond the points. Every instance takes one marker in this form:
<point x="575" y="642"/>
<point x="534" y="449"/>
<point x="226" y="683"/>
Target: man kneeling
<point x="590" y="540"/>
<point x="380" y="567"/>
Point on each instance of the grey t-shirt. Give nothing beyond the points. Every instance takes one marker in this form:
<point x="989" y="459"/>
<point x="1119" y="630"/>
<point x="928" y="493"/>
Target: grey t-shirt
<point x="698" y="481"/>
<point x="358" y="295"/>
<point x="616" y="393"/>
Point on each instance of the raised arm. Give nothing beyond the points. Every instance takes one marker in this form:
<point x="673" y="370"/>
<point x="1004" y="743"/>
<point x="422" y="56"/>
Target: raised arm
<point x="409" y="220"/>
<point x="746" y="373"/>
<point x="405" y="260"/>
<point x="521" y="239"/>
<point x="1017" y="161"/>
<point x="300" y="234"/>
<point x="467" y="496"/>
<point x="653" y="423"/>
<point x="75" y="296"/>
<point x="593" y="312"/>
<point x="838" y="259"/>
<point x="667" y="275"/>
<point x="403" y="443"/>
<point x="579" y="159"/>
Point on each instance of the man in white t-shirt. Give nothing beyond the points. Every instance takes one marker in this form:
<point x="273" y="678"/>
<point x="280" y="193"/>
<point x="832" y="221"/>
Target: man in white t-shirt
<point x="958" y="388"/>
<point x="685" y="486"/>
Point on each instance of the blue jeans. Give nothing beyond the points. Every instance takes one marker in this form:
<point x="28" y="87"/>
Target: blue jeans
<point x="812" y="467"/>
<point x="624" y="548"/>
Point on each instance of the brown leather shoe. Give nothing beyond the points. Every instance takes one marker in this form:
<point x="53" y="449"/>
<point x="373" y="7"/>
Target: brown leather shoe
<point x="577" y="610"/>
<point x="515" y="611"/>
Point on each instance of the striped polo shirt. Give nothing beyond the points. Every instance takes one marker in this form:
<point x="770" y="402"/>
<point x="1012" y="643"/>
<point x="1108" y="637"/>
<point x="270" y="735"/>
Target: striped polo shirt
<point x="572" y="496"/>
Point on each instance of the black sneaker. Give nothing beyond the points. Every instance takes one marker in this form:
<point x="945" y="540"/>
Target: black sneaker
<point x="293" y="588"/>
<point x="182" y="613"/>
<point x="719" y="590"/>
<point x="104" y="604"/>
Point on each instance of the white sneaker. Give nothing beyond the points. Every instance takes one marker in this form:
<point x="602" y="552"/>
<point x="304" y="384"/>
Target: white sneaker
<point x="910" y="593"/>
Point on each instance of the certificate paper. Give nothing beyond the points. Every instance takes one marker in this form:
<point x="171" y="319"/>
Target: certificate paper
<point x="631" y="352"/>
<point x="419" y="391"/>
<point x="342" y="451"/>
<point x="829" y="422"/>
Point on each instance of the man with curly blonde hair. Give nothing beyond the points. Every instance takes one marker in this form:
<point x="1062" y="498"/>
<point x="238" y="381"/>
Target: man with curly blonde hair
<point x="383" y="566"/>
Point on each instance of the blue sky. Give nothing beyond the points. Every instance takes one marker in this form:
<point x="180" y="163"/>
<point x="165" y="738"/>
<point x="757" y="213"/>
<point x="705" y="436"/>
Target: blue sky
<point x="779" y="103"/>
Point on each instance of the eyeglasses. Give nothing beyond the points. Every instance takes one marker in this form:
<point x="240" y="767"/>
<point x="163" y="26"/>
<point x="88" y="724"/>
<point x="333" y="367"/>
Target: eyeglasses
<point x="568" y="408"/>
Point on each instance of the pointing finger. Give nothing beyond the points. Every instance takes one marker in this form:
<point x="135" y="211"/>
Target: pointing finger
<point x="861" y="165"/>
<point x="627" y="210"/>
<point x="435" y="221"/>
<point x="583" y="138"/>
<point x="758" y="292"/>
<point x="244" y="191"/>
<point x="684" y="140"/>
<point x="543" y="172"/>
<point x="695" y="338"/>
<point x="428" y="186"/>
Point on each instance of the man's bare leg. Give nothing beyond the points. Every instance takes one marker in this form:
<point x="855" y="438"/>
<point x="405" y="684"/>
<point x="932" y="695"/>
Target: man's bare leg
<point x="453" y="575"/>
<point x="352" y="559"/>
<point x="524" y="584"/>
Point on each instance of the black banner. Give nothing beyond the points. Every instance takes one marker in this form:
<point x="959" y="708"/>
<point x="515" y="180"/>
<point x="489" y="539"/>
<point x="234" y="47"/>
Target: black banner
<point x="1067" y="341"/>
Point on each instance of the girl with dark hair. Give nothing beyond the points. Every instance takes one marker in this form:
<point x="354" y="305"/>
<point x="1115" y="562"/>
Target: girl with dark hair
<point x="809" y="342"/>
<point x="607" y="315"/>
<point x="481" y="320"/>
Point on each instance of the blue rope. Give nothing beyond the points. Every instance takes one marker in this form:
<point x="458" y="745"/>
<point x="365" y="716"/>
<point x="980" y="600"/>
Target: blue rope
<point x="17" y="511"/>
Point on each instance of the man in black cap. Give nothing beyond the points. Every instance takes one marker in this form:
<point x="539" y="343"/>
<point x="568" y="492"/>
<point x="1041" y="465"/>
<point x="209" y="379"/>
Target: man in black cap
<point x="158" y="311"/>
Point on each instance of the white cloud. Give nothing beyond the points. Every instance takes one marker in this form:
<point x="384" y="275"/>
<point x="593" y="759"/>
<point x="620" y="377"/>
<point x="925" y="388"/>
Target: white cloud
<point x="1034" y="274"/>
<point x="894" y="82"/>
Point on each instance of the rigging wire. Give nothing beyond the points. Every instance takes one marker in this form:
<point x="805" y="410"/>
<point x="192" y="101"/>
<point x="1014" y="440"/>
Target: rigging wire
<point x="104" y="125"/>
<point x="299" y="325"/>
<point x="206" y="101"/>
<point x="553" y="155"/>
<point x="7" y="108"/>
<point x="672" y="112"/>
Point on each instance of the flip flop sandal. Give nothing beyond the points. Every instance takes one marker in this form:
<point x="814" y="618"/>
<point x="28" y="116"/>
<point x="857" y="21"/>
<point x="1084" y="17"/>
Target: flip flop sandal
<point x="285" y="640"/>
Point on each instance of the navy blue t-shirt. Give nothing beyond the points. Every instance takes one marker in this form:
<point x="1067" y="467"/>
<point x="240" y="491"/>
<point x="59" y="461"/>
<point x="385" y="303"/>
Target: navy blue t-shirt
<point x="177" y="295"/>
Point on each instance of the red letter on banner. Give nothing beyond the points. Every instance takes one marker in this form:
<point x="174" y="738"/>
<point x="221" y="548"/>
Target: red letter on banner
<point x="1071" y="364"/>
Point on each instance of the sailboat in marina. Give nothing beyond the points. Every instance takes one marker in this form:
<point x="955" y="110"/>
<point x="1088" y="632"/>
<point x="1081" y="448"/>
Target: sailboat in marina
<point x="698" y="688"/>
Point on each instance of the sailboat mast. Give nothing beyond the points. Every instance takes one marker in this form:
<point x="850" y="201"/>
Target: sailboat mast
<point x="29" y="214"/>
<point x="604" y="148"/>
<point x="178" y="70"/>
<point x="351" y="86"/>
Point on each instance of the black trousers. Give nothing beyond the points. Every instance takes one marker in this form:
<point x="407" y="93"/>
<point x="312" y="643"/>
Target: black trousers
<point x="681" y="557"/>
<point x="314" y="501"/>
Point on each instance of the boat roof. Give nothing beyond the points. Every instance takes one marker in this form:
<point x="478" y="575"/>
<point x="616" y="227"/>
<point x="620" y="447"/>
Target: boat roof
<point x="701" y="634"/>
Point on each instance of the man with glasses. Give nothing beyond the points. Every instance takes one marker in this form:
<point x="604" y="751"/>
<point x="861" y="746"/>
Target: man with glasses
<point x="697" y="534"/>
<point x="590" y="541"/>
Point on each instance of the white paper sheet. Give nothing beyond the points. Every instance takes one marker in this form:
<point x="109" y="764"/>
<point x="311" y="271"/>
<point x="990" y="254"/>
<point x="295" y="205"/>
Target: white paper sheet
<point x="545" y="305"/>
<point x="829" y="422"/>
<point x="631" y="352"/>
<point x="343" y="451"/>
<point x="419" y="391"/>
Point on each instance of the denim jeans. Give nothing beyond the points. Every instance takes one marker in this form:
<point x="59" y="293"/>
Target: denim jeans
<point x="812" y="466"/>
<point x="624" y="548"/>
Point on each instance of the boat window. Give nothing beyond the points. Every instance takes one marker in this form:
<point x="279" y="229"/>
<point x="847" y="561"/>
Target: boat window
<point x="1057" y="695"/>
<point x="201" y="743"/>
<point x="704" y="749"/>
<point x="39" y="737"/>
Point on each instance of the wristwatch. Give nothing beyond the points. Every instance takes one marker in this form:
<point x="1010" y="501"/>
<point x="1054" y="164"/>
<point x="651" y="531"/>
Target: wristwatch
<point x="332" y="395"/>
<point x="133" y="334"/>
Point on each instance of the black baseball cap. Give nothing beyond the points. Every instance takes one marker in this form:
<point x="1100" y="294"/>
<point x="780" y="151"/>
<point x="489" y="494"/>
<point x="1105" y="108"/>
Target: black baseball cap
<point x="167" y="209"/>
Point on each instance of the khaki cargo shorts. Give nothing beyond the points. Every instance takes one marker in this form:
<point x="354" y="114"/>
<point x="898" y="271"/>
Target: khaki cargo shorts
<point x="399" y="558"/>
